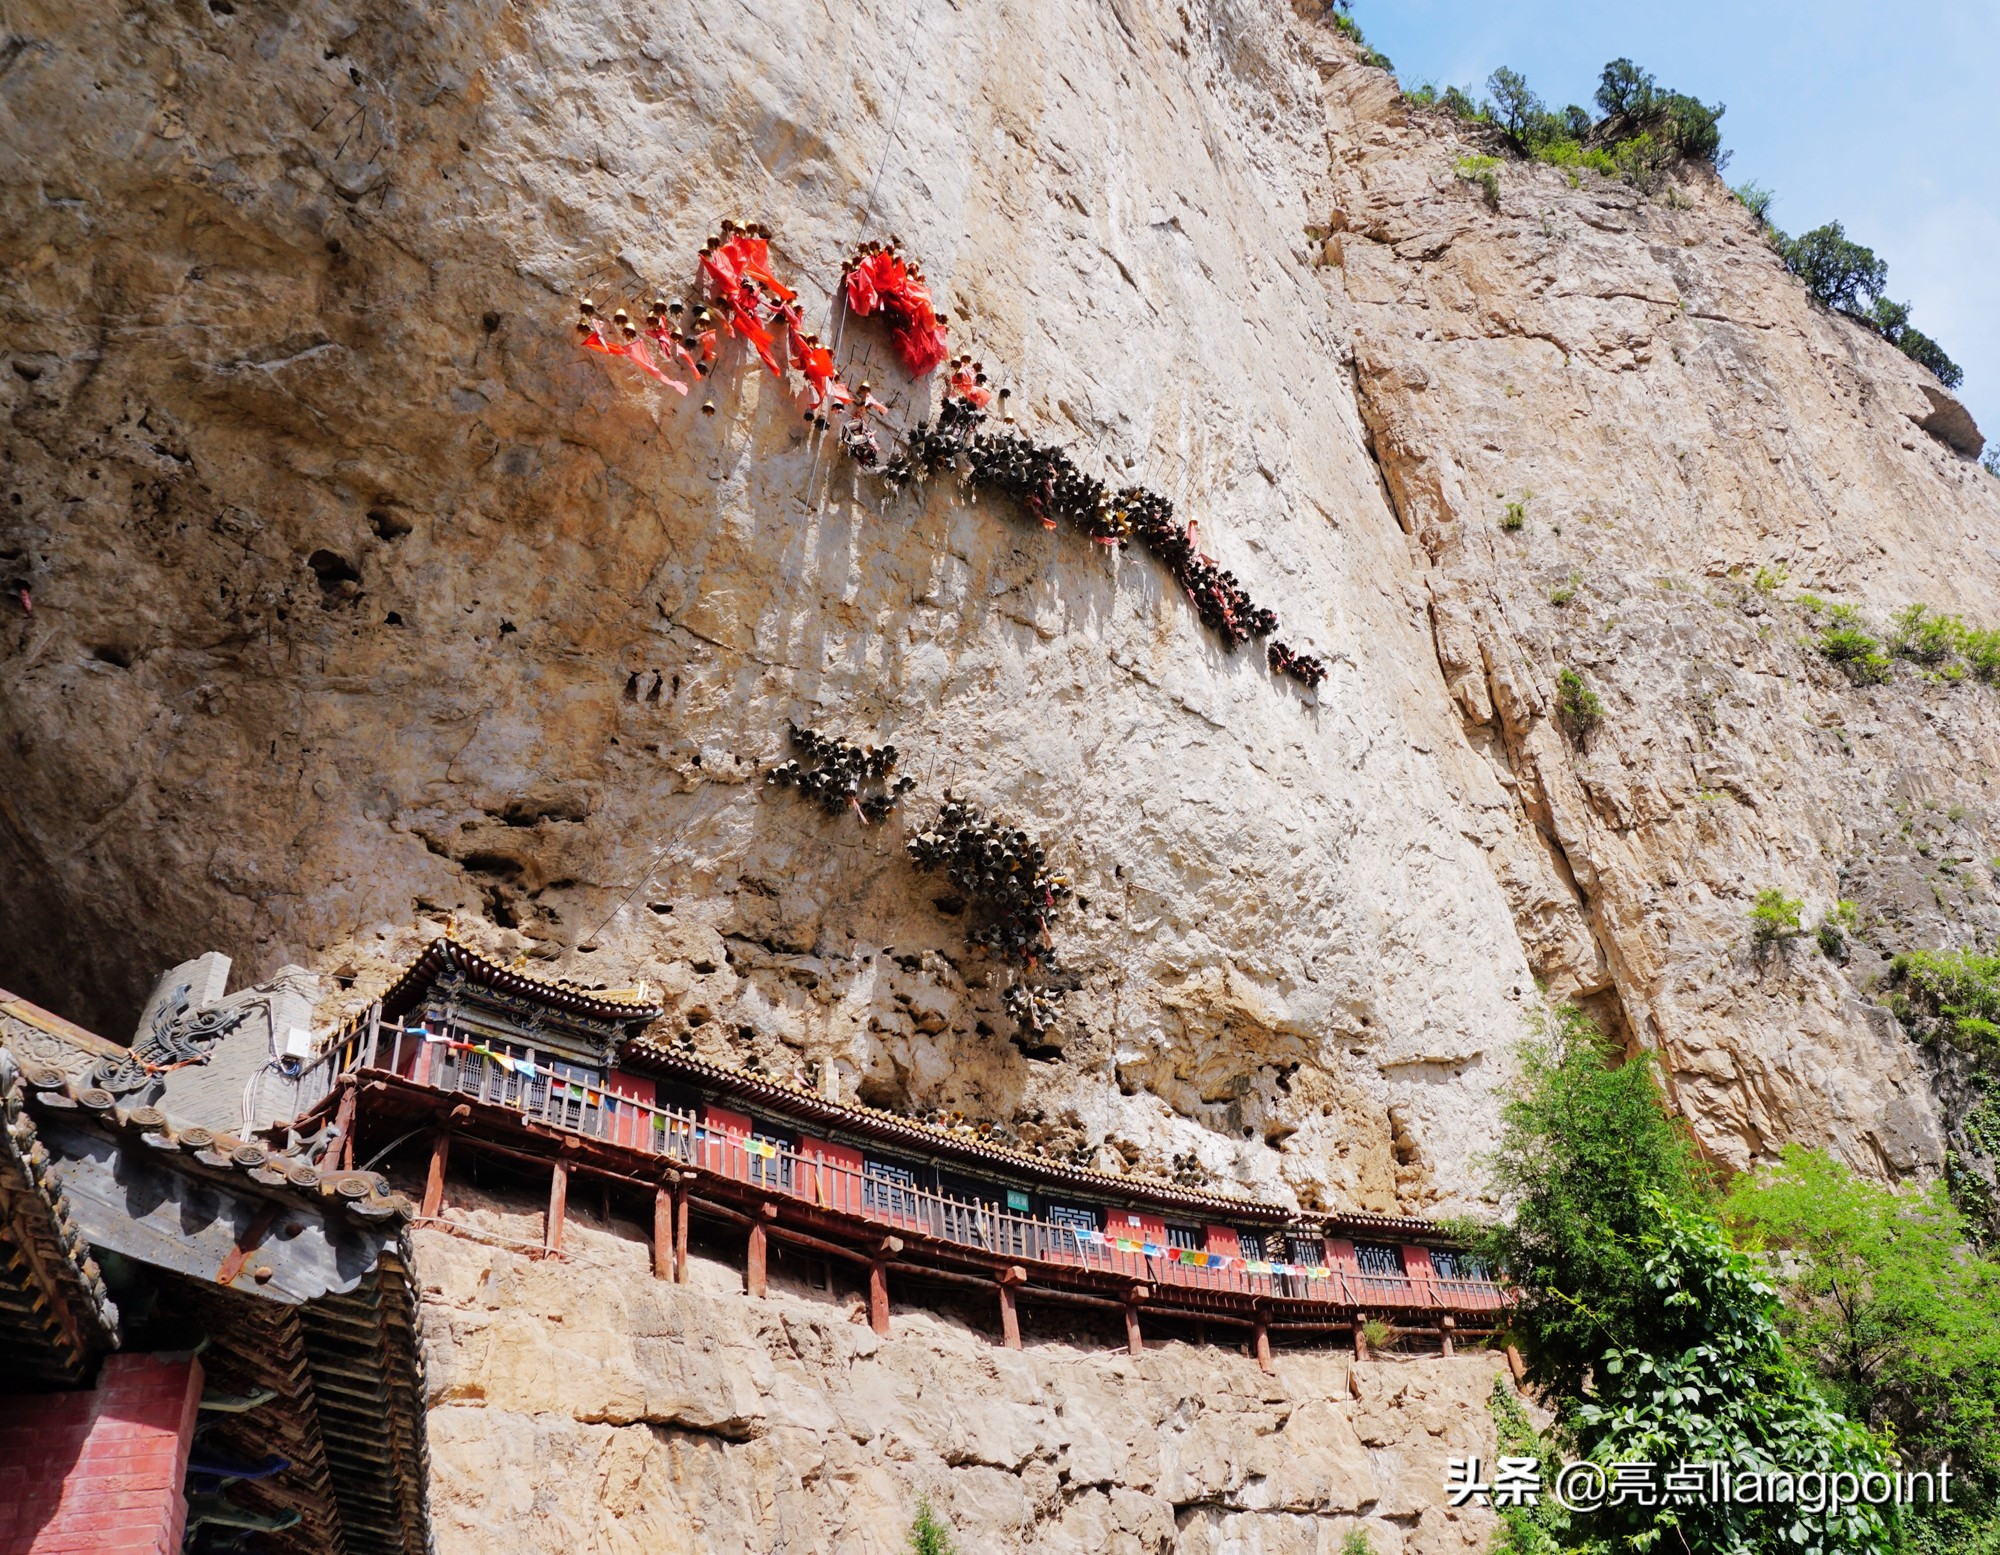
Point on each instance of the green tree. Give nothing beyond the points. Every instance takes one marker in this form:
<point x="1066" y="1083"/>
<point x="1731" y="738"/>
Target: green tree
<point x="1713" y="1381"/>
<point x="1625" y="91"/>
<point x="1585" y="1147"/>
<point x="1889" y="1304"/>
<point x="1950" y="996"/>
<point x="1838" y="272"/>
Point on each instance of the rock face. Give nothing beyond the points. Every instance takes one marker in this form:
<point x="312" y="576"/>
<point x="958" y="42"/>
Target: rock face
<point x="345" y="595"/>
<point x="582" y="1404"/>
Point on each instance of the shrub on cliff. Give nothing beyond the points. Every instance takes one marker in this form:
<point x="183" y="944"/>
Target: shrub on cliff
<point x="1774" y="917"/>
<point x="1849" y="277"/>
<point x="929" y="1533"/>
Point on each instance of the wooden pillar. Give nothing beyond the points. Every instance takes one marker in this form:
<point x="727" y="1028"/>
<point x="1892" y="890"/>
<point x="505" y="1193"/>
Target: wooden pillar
<point x="1516" y="1365"/>
<point x="434" y="1183"/>
<point x="878" y="1296"/>
<point x="1445" y="1325"/>
<point x="1010" y="1315"/>
<point x="681" y="1232"/>
<point x="754" y="1263"/>
<point x="1360" y="1339"/>
<point x="343" y="1122"/>
<point x="558" y="1201"/>
<point x="1135" y="1342"/>
<point x="663" y="1234"/>
<point x="1263" y="1346"/>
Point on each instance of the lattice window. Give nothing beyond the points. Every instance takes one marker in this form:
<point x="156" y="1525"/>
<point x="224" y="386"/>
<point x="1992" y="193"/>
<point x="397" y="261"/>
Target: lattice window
<point x="1371" y="1259"/>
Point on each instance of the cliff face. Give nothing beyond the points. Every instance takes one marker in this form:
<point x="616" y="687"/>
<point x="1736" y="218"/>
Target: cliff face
<point x="584" y="1405"/>
<point x="360" y="596"/>
<point x="358" y="593"/>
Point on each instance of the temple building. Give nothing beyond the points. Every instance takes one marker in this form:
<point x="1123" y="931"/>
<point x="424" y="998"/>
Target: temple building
<point x="207" y="1292"/>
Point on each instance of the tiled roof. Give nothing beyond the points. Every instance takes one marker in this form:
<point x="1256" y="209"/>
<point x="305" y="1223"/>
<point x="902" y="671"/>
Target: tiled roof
<point x="55" y="1312"/>
<point x="872" y="1121"/>
<point x="366" y="1196"/>
<point x="444" y="952"/>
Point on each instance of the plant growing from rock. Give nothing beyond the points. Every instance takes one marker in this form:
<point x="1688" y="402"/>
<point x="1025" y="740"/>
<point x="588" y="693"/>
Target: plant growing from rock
<point x="1483" y="171"/>
<point x="930" y="1534"/>
<point x="1578" y="708"/>
<point x="1856" y="653"/>
<point x="1514" y="515"/>
<point x="1923" y="636"/>
<point x="1774" y="917"/>
<point x="1565" y="591"/>
<point x="1837" y="927"/>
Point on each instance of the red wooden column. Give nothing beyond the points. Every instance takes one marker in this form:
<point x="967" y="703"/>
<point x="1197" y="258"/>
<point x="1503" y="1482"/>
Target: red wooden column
<point x="681" y="1231"/>
<point x="878" y="1296"/>
<point x="1135" y="1341"/>
<point x="1360" y="1339"/>
<point x="756" y="1266"/>
<point x="558" y="1202"/>
<point x="100" y="1470"/>
<point x="663" y="1234"/>
<point x="1010" y="1316"/>
<point x="434" y="1183"/>
<point x="1263" y="1346"/>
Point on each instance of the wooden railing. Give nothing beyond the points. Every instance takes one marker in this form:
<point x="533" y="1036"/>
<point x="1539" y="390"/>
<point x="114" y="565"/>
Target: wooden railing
<point x="838" y="1187"/>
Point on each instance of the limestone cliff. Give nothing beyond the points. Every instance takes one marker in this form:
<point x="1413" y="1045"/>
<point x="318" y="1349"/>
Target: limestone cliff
<point x="344" y="591"/>
<point x="584" y="1405"/>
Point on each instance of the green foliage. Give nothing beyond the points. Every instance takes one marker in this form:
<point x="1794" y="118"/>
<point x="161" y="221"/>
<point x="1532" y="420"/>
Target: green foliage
<point x="1565" y="591"/>
<point x="1770" y="579"/>
<point x="1886" y="1300"/>
<point x="1982" y="653"/>
<point x="1893" y="320"/>
<point x="1950" y="996"/>
<point x="1377" y="1333"/>
<point x="1578" y="708"/>
<point x="1351" y="29"/>
<point x="1483" y="171"/>
<point x="1839" y="273"/>
<point x="1847" y="645"/>
<point x="1990" y="460"/>
<point x="1774" y="917"/>
<point x="1684" y="126"/>
<point x="1526" y="1530"/>
<point x="1514" y="515"/>
<point x="1357" y="1542"/>
<point x="1585" y="1148"/>
<point x="1756" y="199"/>
<point x="1921" y="634"/>
<point x="1834" y="930"/>
<point x="1713" y="1380"/>
<point x="929" y="1533"/>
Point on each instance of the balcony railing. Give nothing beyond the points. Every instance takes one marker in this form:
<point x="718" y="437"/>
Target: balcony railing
<point x="524" y="1083"/>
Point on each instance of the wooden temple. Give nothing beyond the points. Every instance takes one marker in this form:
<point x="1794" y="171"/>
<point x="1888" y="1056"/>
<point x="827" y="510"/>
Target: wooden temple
<point x="483" y="1061"/>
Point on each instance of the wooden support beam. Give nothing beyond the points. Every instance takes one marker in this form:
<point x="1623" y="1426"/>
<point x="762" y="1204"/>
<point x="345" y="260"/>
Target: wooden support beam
<point x="343" y="1123"/>
<point x="878" y="1295"/>
<point x="663" y="1234"/>
<point x="1264" y="1347"/>
<point x="1360" y="1339"/>
<point x="681" y="1232"/>
<point x="434" y="1182"/>
<point x="1010" y="1319"/>
<point x="1445" y="1326"/>
<point x="1517" y="1366"/>
<point x="558" y="1201"/>
<point x="1135" y="1342"/>
<point x="754" y="1264"/>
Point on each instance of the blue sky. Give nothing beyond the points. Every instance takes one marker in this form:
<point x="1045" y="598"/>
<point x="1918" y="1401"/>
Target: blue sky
<point x="1883" y="120"/>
